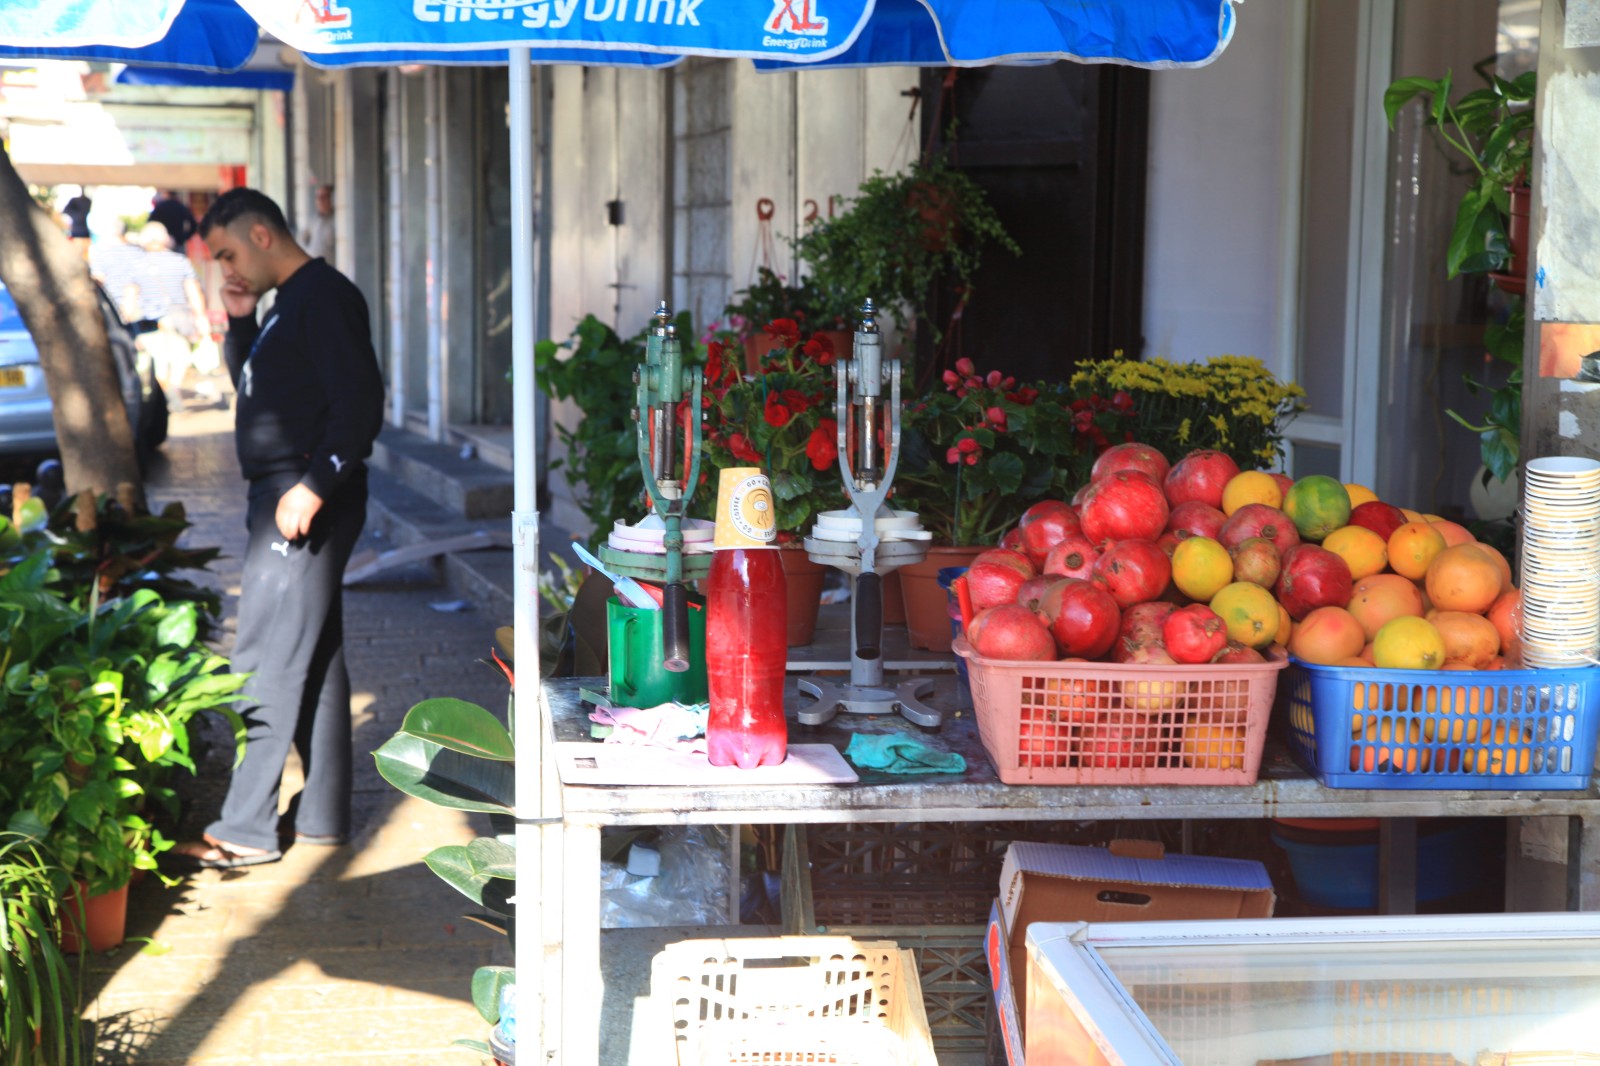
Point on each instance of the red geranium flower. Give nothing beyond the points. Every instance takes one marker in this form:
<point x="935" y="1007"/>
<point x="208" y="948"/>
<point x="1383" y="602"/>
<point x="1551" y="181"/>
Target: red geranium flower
<point x="742" y="449"/>
<point x="795" y="401"/>
<point x="776" y="414"/>
<point x="822" y="448"/>
<point x="786" y="331"/>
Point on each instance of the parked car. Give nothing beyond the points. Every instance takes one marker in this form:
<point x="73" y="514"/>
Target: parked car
<point x="27" y="427"/>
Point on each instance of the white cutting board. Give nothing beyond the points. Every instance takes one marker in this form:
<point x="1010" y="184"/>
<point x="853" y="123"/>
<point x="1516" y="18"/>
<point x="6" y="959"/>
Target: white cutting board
<point x="587" y="763"/>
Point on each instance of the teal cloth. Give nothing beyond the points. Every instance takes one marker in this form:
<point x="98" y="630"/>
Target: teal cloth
<point x="896" y="753"/>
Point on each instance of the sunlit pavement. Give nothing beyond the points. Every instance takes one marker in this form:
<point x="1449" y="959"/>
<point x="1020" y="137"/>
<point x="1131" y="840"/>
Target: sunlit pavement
<point x="356" y="953"/>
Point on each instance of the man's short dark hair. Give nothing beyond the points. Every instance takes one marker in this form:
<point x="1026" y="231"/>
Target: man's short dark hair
<point x="243" y="203"/>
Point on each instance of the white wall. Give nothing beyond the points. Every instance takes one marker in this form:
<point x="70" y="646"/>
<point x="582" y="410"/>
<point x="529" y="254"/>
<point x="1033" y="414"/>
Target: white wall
<point x="1216" y="186"/>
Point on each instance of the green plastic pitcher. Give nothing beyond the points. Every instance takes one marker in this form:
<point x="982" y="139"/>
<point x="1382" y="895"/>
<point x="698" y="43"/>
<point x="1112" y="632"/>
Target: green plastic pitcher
<point x="637" y="677"/>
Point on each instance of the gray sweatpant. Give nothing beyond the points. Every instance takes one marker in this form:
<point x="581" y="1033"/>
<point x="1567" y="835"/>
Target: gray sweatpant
<point x="291" y="638"/>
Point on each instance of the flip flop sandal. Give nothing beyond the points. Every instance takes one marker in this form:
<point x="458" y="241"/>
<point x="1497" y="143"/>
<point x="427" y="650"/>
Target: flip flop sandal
<point x="222" y="857"/>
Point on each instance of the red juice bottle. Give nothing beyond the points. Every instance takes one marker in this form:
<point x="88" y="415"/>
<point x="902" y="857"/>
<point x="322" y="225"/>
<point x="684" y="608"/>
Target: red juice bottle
<point x="746" y="650"/>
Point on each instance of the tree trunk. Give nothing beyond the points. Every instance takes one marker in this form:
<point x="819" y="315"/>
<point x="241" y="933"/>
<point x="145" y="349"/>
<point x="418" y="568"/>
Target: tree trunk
<point x="49" y="281"/>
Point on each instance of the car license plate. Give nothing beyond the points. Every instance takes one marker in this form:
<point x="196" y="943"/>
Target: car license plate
<point x="12" y="377"/>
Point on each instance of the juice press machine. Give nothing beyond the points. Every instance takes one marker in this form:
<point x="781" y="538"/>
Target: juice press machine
<point x="868" y="539"/>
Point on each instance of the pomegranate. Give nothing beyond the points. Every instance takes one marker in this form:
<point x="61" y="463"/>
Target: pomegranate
<point x="1259" y="520"/>
<point x="1284" y="483"/>
<point x="1126" y="505"/>
<point x="1083" y="618"/>
<point x="1168" y="542"/>
<point x="1043" y="526"/>
<point x="1143" y="622"/>
<point x="1200" y="475"/>
<point x="1134" y="571"/>
<point x="996" y="576"/>
<point x="1159" y="692"/>
<point x="1077" y="497"/>
<point x="1073" y="557"/>
<point x="1256" y="560"/>
<point x="1194" y="634"/>
<point x="1115" y="745"/>
<point x="1011" y="632"/>
<point x="1236" y="653"/>
<point x="1196" y="519"/>
<point x="1132" y="456"/>
<point x="1033" y="590"/>
<point x="1011" y="540"/>
<point x="1382" y="518"/>
<point x="1312" y="577"/>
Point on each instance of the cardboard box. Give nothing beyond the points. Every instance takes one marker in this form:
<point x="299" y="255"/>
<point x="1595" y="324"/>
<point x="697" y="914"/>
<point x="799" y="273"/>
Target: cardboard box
<point x="1131" y="881"/>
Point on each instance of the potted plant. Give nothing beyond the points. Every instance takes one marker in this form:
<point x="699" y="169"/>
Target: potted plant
<point x="781" y="419"/>
<point x="41" y="990"/>
<point x="1492" y="128"/>
<point x="896" y="238"/>
<point x="1228" y="403"/>
<point x="771" y="300"/>
<point x="980" y="451"/>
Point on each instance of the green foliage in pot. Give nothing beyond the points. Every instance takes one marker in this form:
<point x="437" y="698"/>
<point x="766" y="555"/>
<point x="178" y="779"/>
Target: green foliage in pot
<point x="98" y="703"/>
<point x="897" y="236"/>
<point x="770" y="298"/>
<point x="457" y="755"/>
<point x="1492" y="129"/>
<point x="594" y="369"/>
<point x="41" y="989"/>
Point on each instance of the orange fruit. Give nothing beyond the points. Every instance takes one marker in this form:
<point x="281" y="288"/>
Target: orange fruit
<point x="1362" y="550"/>
<point x="1214" y="746"/>
<point x="1452" y="532"/>
<point x="1374" y="755"/>
<point x="1412" y="516"/>
<point x="1327" y="635"/>
<point x="1506" y="614"/>
<point x="1252" y="486"/>
<point x="1506" y="580"/>
<point x="1412" y="547"/>
<point x="1249" y="612"/>
<point x="1285" y="626"/>
<point x="1201" y="567"/>
<point x="1408" y="643"/>
<point x="1470" y="640"/>
<point x="1359" y="494"/>
<point x="1462" y="578"/>
<point x="1382" y="597"/>
<point x="1497" y="757"/>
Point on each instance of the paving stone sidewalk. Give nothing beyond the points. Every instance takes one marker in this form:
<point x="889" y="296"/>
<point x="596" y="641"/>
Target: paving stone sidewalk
<point x="357" y="953"/>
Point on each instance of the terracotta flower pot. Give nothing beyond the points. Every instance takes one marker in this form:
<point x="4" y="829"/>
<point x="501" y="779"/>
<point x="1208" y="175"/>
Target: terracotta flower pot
<point x="805" y="579"/>
<point x="755" y="349"/>
<point x="1514" y="282"/>
<point x="105" y="917"/>
<point x="843" y="341"/>
<point x="927" y="606"/>
<point x="894" y="604"/>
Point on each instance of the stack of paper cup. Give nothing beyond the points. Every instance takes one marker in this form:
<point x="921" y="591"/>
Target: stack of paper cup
<point x="1560" y="553"/>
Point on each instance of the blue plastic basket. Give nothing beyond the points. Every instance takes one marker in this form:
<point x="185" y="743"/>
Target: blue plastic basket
<point x="1359" y="727"/>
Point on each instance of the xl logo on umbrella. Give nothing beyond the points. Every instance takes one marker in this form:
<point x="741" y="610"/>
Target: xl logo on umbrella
<point x="801" y="21"/>
<point x="324" y="13"/>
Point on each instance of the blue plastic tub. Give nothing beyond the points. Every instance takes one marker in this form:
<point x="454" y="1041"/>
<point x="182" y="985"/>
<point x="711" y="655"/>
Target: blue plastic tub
<point x="1360" y="727"/>
<point x="1345" y="875"/>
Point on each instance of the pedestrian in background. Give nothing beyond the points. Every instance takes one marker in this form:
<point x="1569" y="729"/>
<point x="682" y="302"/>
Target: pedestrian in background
<point x="115" y="263"/>
<point x="76" y="213"/>
<point x="310" y="404"/>
<point x="317" y="235"/>
<point x="175" y="215"/>
<point x="172" y="310"/>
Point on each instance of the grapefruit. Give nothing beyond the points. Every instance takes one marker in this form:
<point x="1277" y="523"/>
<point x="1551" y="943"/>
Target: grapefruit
<point x="1317" y="505"/>
<point x="1249" y="612"/>
<point x="1408" y="643"/>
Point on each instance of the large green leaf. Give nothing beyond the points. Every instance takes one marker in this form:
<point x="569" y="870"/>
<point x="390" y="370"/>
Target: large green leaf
<point x="447" y="778"/>
<point x="178" y="627"/>
<point x="493" y="858"/>
<point x="1403" y="91"/>
<point x="460" y="726"/>
<point x="487" y="984"/>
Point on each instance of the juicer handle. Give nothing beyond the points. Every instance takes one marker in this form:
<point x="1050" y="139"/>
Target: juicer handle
<point x="675" y="628"/>
<point x="869" y="615"/>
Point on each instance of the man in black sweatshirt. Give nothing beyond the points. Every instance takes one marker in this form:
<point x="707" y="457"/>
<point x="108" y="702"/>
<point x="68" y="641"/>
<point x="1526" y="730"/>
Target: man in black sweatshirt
<point x="310" y="403"/>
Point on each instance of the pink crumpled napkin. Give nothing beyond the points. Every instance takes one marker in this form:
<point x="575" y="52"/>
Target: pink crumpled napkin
<point x="671" y="725"/>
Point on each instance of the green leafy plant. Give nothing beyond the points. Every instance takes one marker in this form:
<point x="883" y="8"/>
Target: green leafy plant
<point x="99" y="701"/>
<point x="41" y="989"/>
<point x="897" y="236"/>
<point x="769" y="298"/>
<point x="984" y="449"/>
<point x="781" y="419"/>
<point x="602" y="461"/>
<point x="457" y="755"/>
<point x="1492" y="129"/>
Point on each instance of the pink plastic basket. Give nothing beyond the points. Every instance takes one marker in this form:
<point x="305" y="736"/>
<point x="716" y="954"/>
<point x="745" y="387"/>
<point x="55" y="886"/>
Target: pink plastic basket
<point x="1059" y="723"/>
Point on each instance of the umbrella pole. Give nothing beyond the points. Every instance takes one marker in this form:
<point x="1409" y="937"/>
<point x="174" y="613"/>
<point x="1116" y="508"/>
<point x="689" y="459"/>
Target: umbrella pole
<point x="538" y="795"/>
